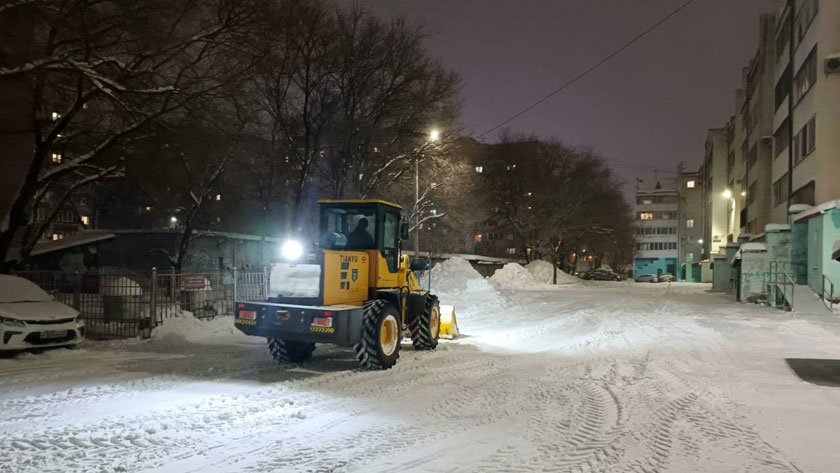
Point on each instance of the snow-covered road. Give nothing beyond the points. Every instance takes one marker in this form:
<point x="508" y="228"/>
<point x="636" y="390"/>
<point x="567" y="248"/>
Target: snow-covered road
<point x="608" y="377"/>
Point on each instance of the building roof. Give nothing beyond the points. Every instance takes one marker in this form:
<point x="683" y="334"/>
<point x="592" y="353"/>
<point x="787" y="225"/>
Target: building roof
<point x="359" y="201"/>
<point x="78" y="239"/>
<point x="208" y="233"/>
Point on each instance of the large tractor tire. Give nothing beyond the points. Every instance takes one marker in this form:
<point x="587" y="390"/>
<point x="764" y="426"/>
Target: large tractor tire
<point x="425" y="327"/>
<point x="379" y="347"/>
<point x="287" y="351"/>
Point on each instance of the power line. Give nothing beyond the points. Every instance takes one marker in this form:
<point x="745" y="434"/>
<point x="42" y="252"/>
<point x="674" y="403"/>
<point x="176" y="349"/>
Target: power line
<point x="591" y="68"/>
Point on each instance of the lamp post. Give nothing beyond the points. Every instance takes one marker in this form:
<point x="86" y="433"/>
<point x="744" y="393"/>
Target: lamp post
<point x="434" y="136"/>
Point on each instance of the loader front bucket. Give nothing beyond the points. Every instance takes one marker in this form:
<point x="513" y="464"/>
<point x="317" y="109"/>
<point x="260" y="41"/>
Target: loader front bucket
<point x="448" y="324"/>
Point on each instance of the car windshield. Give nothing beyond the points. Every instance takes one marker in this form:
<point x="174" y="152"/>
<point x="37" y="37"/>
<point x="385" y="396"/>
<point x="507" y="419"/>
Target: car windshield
<point x="15" y="289"/>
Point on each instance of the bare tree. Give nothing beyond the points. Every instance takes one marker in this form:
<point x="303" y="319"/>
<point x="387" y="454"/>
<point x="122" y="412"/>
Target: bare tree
<point x="556" y="198"/>
<point x="295" y="86"/>
<point x="99" y="73"/>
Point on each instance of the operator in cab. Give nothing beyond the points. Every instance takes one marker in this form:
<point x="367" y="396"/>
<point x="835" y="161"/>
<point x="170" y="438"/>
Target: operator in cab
<point x="360" y="238"/>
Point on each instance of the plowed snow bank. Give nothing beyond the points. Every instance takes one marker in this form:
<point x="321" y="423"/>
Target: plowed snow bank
<point x="543" y="272"/>
<point x="457" y="283"/>
<point x="186" y="328"/>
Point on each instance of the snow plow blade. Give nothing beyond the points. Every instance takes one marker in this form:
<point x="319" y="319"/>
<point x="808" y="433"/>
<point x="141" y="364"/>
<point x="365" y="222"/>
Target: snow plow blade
<point x="448" y="324"/>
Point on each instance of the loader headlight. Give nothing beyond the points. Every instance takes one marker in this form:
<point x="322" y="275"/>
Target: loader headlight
<point x="291" y="250"/>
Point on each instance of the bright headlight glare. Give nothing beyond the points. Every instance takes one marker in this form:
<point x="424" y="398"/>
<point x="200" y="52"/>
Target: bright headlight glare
<point x="291" y="250"/>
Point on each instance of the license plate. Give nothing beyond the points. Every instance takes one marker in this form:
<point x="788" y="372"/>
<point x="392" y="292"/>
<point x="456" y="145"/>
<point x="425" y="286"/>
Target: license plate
<point x="247" y="314"/>
<point x="54" y="334"/>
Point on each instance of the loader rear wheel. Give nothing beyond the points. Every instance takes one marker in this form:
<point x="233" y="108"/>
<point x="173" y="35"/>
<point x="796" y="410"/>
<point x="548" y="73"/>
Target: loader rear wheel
<point x="425" y="327"/>
<point x="379" y="346"/>
<point x="288" y="351"/>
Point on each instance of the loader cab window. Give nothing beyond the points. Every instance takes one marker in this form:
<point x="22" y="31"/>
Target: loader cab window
<point x="348" y="228"/>
<point x="391" y="239"/>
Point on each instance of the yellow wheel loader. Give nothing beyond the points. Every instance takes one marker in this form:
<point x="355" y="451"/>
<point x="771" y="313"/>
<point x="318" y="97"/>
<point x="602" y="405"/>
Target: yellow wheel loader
<point x="357" y="290"/>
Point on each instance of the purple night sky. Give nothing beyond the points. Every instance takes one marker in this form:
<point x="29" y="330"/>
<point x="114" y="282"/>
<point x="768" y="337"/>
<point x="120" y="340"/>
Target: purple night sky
<point x="649" y="107"/>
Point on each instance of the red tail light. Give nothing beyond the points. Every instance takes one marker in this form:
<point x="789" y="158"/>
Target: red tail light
<point x="327" y="314"/>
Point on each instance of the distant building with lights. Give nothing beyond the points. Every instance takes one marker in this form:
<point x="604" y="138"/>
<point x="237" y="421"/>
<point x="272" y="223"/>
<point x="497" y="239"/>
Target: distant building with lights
<point x="656" y="213"/>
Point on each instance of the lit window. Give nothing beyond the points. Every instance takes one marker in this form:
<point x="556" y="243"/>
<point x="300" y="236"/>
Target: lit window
<point x="56" y="158"/>
<point x="689" y="257"/>
<point x="148" y="209"/>
<point x="375" y="149"/>
<point x="529" y="194"/>
<point x="85" y="220"/>
<point x="433" y="211"/>
<point x="646" y="216"/>
<point x="479" y="169"/>
<point x="56" y="236"/>
<point x="689" y="223"/>
<point x="56" y="116"/>
<point x="689" y="184"/>
<point x="361" y="176"/>
<point x="218" y="196"/>
<point x="218" y="219"/>
<point x="477" y="238"/>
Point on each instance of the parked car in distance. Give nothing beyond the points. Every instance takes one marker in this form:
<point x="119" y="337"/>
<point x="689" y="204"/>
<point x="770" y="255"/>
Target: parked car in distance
<point x="603" y="274"/>
<point x="647" y="278"/>
<point x="31" y="318"/>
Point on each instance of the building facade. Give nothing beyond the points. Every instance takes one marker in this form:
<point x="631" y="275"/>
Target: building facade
<point x="657" y="240"/>
<point x="781" y="146"/>
<point x="690" y="217"/>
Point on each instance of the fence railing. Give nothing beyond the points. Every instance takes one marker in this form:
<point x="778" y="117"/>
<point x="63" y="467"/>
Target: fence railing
<point x="827" y="294"/>
<point x="130" y="303"/>
<point x="781" y="284"/>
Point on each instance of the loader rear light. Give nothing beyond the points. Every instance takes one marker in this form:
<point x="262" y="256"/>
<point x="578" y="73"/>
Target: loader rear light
<point x="246" y="314"/>
<point x="322" y="322"/>
<point x="328" y="314"/>
<point x="241" y="306"/>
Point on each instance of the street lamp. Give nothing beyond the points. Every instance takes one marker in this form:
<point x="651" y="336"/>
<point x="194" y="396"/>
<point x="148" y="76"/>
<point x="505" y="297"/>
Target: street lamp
<point x="727" y="194"/>
<point x="434" y="136"/>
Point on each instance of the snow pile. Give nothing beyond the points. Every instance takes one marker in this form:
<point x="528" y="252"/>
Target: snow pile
<point x="514" y="277"/>
<point x="543" y="272"/>
<point x="456" y="283"/>
<point x="186" y="328"/>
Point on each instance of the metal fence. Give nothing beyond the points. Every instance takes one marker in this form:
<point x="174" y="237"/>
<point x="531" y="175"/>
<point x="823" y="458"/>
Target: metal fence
<point x="131" y="303"/>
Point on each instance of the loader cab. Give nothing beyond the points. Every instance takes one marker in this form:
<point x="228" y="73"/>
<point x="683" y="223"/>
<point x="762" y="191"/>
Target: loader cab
<point x="362" y="225"/>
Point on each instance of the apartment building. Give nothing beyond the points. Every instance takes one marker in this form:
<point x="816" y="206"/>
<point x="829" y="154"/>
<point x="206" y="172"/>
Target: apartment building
<point x="807" y="98"/>
<point x="716" y="192"/>
<point x="781" y="146"/>
<point x="690" y="216"/>
<point x="656" y="212"/>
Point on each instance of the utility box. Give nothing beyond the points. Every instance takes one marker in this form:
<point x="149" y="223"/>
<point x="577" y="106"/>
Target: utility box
<point x="721" y="273"/>
<point x="752" y="282"/>
<point x="777" y="239"/>
<point x="706" y="271"/>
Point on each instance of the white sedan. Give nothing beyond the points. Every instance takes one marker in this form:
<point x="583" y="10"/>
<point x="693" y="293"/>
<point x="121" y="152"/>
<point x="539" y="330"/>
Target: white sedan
<point x="31" y="318"/>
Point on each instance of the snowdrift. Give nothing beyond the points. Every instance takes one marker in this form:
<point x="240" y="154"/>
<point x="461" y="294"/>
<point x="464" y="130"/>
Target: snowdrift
<point x="186" y="328"/>
<point x="457" y="283"/>
<point x="543" y="272"/>
<point x="537" y="275"/>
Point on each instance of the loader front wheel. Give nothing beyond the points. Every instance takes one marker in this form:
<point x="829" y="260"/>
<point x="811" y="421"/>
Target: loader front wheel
<point x="287" y="351"/>
<point x="425" y="327"/>
<point x="379" y="346"/>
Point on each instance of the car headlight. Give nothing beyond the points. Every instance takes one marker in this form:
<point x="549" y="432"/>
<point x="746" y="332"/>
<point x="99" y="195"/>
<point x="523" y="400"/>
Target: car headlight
<point x="12" y="322"/>
<point x="291" y="250"/>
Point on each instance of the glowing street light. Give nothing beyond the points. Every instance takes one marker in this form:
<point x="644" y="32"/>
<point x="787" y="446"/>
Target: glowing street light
<point x="727" y="194"/>
<point x="434" y="135"/>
